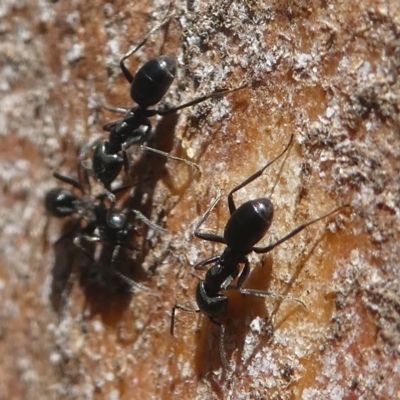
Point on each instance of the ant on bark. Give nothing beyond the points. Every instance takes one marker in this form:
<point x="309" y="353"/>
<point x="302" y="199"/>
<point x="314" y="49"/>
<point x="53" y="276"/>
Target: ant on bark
<point x="246" y="226"/>
<point x="147" y="88"/>
<point x="103" y="224"/>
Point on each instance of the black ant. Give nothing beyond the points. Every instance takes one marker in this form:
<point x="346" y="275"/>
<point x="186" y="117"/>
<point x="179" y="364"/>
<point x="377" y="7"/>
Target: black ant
<point x="148" y="87"/>
<point x="246" y="226"/>
<point x="103" y="224"/>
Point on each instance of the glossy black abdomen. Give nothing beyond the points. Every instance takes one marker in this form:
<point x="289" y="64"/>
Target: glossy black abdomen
<point x="248" y="224"/>
<point x="153" y="80"/>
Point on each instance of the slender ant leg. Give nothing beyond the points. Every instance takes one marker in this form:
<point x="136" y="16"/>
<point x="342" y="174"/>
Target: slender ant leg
<point x="179" y="307"/>
<point x="69" y="180"/>
<point x="297" y="230"/>
<point x="204" y="235"/>
<point x="169" y="157"/>
<point x="173" y="110"/>
<point x="152" y="225"/>
<point x="133" y="284"/>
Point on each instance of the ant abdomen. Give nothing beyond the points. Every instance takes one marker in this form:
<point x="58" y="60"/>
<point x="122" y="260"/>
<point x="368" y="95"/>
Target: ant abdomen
<point x="153" y="80"/>
<point x="248" y="224"/>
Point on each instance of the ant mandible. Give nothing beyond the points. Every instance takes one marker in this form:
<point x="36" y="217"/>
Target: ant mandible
<point x="103" y="224"/>
<point x="246" y="226"/>
<point x="147" y="88"/>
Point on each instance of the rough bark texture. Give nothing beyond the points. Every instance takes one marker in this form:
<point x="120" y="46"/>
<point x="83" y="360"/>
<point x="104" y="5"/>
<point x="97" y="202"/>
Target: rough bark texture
<point x="326" y="72"/>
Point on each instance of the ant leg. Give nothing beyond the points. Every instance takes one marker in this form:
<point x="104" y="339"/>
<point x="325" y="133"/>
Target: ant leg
<point x="84" y="177"/>
<point x="115" y="191"/>
<point x="118" y="110"/>
<point x="122" y="188"/>
<point x="179" y="307"/>
<point x="124" y="69"/>
<point x="264" y="293"/>
<point x="115" y="254"/>
<point x="209" y="236"/>
<point x="86" y="164"/>
<point x="68" y="180"/>
<point x="109" y="193"/>
<point x="222" y="349"/>
<point x="134" y="284"/>
<point x="254" y="292"/>
<point x="202" y="264"/>
<point x="148" y="133"/>
<point x="138" y="136"/>
<point x="64" y="235"/>
<point x="295" y="231"/>
<point x="111" y="125"/>
<point x="131" y="141"/>
<point x="125" y="161"/>
<point x="197" y="101"/>
<point x="244" y="274"/>
<point x="253" y="177"/>
<point x="152" y="225"/>
<point x="92" y="239"/>
<point x="169" y="157"/>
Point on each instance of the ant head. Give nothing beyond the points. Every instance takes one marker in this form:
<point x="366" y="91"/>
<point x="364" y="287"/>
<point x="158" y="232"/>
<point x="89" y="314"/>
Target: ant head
<point x="153" y="80"/>
<point x="60" y="202"/>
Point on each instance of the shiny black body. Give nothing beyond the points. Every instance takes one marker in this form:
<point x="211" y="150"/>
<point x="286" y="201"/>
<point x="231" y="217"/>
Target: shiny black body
<point x="148" y="87"/>
<point x="102" y="224"/>
<point x="152" y="80"/>
<point x="246" y="226"/>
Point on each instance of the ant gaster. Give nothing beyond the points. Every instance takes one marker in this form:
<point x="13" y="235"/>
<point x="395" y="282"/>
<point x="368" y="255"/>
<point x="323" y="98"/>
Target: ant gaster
<point x="148" y="87"/>
<point x="103" y="224"/>
<point x="246" y="226"/>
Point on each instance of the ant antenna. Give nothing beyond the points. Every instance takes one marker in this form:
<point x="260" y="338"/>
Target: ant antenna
<point x="140" y="44"/>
